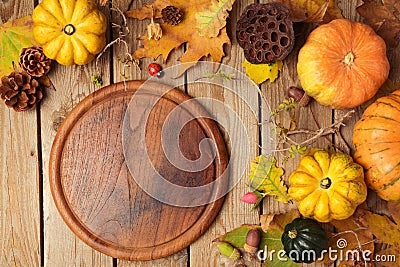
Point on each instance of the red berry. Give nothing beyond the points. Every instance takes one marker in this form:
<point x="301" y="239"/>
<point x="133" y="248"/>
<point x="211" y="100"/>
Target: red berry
<point x="153" y="69"/>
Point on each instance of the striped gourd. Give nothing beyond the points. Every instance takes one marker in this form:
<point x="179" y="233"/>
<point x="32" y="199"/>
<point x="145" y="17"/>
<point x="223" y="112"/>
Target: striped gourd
<point x="376" y="140"/>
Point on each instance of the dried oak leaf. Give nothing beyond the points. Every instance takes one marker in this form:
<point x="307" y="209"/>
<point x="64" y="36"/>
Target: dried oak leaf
<point x="213" y="19"/>
<point x="384" y="229"/>
<point x="184" y="32"/>
<point x="384" y="17"/>
<point x="265" y="176"/>
<point x="391" y="256"/>
<point x="317" y="11"/>
<point x="357" y="238"/>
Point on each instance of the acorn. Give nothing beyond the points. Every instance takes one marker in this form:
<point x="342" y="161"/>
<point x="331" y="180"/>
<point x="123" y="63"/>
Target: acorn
<point x="299" y="96"/>
<point x="253" y="238"/>
<point x="228" y="250"/>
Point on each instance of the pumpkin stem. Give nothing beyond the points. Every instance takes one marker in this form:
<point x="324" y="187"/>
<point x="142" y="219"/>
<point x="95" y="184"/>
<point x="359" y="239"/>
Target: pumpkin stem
<point x="292" y="234"/>
<point x="349" y="59"/>
<point x="69" y="29"/>
<point x="325" y="183"/>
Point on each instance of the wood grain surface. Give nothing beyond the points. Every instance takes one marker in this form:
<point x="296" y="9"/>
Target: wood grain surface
<point x="19" y="174"/>
<point x="31" y="229"/>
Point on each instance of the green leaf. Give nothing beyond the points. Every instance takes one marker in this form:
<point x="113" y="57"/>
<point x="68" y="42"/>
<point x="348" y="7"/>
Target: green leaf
<point x="266" y="176"/>
<point x="14" y="35"/>
<point x="237" y="237"/>
<point x="213" y="19"/>
<point x="259" y="73"/>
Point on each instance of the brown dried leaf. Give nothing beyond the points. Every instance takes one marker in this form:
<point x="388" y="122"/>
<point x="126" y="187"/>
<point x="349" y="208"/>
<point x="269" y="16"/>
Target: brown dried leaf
<point x="146" y="12"/>
<point x="384" y="229"/>
<point x="316" y="11"/>
<point x="266" y="220"/>
<point x="394" y="209"/>
<point x="184" y="32"/>
<point x="350" y="236"/>
<point x="388" y="257"/>
<point x="103" y="2"/>
<point x="384" y="17"/>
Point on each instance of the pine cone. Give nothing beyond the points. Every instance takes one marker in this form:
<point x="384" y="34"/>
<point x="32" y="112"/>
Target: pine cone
<point x="172" y="15"/>
<point x="20" y="91"/>
<point x="34" y="61"/>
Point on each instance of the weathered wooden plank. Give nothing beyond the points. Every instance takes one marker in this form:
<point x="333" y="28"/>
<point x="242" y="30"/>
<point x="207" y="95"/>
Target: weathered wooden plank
<point x="19" y="176"/>
<point x="234" y="212"/>
<point x="138" y="28"/>
<point x="61" y="246"/>
<point x="275" y="94"/>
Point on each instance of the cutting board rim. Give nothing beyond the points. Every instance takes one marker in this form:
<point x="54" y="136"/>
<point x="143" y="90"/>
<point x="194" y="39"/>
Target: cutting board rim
<point x="149" y="253"/>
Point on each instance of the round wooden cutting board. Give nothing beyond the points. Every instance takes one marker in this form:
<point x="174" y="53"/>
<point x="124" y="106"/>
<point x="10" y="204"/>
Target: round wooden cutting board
<point x="95" y="192"/>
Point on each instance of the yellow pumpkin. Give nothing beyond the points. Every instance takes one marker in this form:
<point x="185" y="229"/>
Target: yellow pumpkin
<point x="342" y="64"/>
<point x="327" y="185"/>
<point x="70" y="31"/>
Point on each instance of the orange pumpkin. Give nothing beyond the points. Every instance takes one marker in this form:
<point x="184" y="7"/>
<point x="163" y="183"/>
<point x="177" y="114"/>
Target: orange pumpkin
<point x="376" y="140"/>
<point x="342" y="64"/>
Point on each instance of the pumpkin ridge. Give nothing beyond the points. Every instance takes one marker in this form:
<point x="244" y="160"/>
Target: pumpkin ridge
<point x="397" y="165"/>
<point x="388" y="104"/>
<point x="90" y="6"/>
<point x="55" y="17"/>
<point x="83" y="19"/>
<point x="65" y="11"/>
<point x="82" y="25"/>
<point x="340" y="194"/>
<point x="394" y="98"/>
<point x="303" y="171"/>
<point x="379" y="151"/>
<point x="372" y="129"/>
<point x="376" y="143"/>
<point x="310" y="236"/>
<point x="386" y="186"/>
<point x="382" y="117"/>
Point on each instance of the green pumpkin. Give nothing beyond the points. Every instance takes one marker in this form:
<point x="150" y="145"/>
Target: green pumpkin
<point x="304" y="240"/>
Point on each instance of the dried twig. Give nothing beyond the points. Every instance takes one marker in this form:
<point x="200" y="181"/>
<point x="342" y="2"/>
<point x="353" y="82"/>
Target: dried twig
<point x="123" y="31"/>
<point x="334" y="128"/>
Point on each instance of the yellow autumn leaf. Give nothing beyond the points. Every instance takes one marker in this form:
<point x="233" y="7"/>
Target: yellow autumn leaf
<point x="259" y="73"/>
<point x="213" y="19"/>
<point x="265" y="176"/>
<point x="14" y="35"/>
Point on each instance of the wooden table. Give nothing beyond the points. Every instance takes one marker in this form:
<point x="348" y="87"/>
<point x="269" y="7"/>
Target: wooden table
<point x="31" y="229"/>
